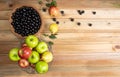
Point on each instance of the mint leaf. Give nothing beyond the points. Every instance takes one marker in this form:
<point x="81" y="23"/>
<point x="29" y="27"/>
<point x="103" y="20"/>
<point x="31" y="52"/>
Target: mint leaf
<point x="40" y="1"/>
<point x="53" y="3"/>
<point x="52" y="36"/>
<point x="50" y="43"/>
<point x="45" y="35"/>
<point x="48" y="4"/>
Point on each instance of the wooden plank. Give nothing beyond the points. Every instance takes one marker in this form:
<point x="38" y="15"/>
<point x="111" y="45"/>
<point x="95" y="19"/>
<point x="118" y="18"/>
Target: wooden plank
<point x="77" y="59"/>
<point x="81" y="37"/>
<point x="59" y="49"/>
<point x="90" y="37"/>
<point x="84" y="64"/>
<point x="66" y="26"/>
<point x="68" y="4"/>
<point x="70" y="13"/>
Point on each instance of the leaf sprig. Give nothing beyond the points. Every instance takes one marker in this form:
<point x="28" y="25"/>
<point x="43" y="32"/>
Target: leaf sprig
<point x="53" y="3"/>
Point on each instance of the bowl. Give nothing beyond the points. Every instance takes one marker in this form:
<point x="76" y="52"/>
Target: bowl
<point x="13" y="21"/>
<point x="31" y="68"/>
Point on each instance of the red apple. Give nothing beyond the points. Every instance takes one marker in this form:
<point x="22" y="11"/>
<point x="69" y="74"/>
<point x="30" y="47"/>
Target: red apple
<point x="24" y="52"/>
<point x="23" y="63"/>
<point x="53" y="11"/>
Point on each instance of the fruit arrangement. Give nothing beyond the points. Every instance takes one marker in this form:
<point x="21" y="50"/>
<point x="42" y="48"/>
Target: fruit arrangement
<point x="26" y="20"/>
<point x="33" y="53"/>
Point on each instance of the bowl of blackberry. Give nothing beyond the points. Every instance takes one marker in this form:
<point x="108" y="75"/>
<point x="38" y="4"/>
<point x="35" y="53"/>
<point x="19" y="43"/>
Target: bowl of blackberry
<point x="26" y="20"/>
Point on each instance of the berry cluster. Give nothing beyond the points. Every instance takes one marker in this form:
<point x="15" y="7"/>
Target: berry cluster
<point x="26" y="21"/>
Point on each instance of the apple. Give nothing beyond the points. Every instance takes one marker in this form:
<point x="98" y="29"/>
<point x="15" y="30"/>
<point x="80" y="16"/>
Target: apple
<point x="47" y="56"/>
<point x="41" y="47"/>
<point x="24" y="45"/>
<point x="24" y="52"/>
<point x="34" y="57"/>
<point x="13" y="54"/>
<point x="53" y="11"/>
<point x="23" y="63"/>
<point x="41" y="67"/>
<point x="31" y="41"/>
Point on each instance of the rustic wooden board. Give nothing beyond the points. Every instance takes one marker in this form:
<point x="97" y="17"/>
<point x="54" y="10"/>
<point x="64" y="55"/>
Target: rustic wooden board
<point x="79" y="51"/>
<point x="75" y="4"/>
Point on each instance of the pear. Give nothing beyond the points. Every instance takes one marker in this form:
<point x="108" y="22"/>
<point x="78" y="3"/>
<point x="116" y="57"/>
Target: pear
<point x="53" y="28"/>
<point x="47" y="56"/>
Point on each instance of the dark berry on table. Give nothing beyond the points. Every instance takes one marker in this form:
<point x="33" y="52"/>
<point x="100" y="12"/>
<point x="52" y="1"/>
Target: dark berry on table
<point x="57" y="22"/>
<point x="94" y="12"/>
<point x="44" y="9"/>
<point x="72" y="19"/>
<point x="62" y="12"/>
<point x="90" y="24"/>
<point x="80" y="12"/>
<point x="78" y="23"/>
<point x="10" y="4"/>
<point x="54" y="19"/>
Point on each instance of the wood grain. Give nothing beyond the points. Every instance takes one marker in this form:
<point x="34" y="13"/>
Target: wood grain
<point x="79" y="51"/>
<point x="75" y="4"/>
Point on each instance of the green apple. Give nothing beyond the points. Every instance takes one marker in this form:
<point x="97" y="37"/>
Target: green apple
<point x="41" y="47"/>
<point x="41" y="67"/>
<point x="34" y="57"/>
<point x="13" y="54"/>
<point x="31" y="41"/>
<point x="47" y="56"/>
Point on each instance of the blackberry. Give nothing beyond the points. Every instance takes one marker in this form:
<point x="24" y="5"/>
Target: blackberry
<point x="78" y="23"/>
<point x="57" y="22"/>
<point x="90" y="24"/>
<point x="80" y="12"/>
<point x="94" y="12"/>
<point x="26" y="21"/>
<point x="71" y="19"/>
<point x="62" y="12"/>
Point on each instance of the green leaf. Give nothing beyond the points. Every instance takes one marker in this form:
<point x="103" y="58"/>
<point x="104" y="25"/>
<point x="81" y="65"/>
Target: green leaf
<point x="48" y="4"/>
<point x="53" y="3"/>
<point x="40" y="1"/>
<point x="45" y="35"/>
<point x="50" y="43"/>
<point x="52" y="36"/>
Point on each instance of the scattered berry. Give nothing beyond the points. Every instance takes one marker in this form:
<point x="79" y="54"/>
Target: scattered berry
<point x="78" y="23"/>
<point x="54" y="19"/>
<point x="44" y="9"/>
<point x="57" y="22"/>
<point x="80" y="12"/>
<point x="62" y="12"/>
<point x="89" y="24"/>
<point x="72" y="19"/>
<point x="94" y="12"/>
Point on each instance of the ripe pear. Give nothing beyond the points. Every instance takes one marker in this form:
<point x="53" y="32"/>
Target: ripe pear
<point x="47" y="56"/>
<point x="53" y="28"/>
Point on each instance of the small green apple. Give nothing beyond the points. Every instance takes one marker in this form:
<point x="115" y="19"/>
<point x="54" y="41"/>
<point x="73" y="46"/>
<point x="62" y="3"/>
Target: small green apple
<point x="41" y="67"/>
<point x="42" y="47"/>
<point x="13" y="54"/>
<point x="31" y="41"/>
<point x="47" y="56"/>
<point x="34" y="57"/>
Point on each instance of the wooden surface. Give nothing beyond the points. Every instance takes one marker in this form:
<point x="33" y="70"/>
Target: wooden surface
<point x="79" y="51"/>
